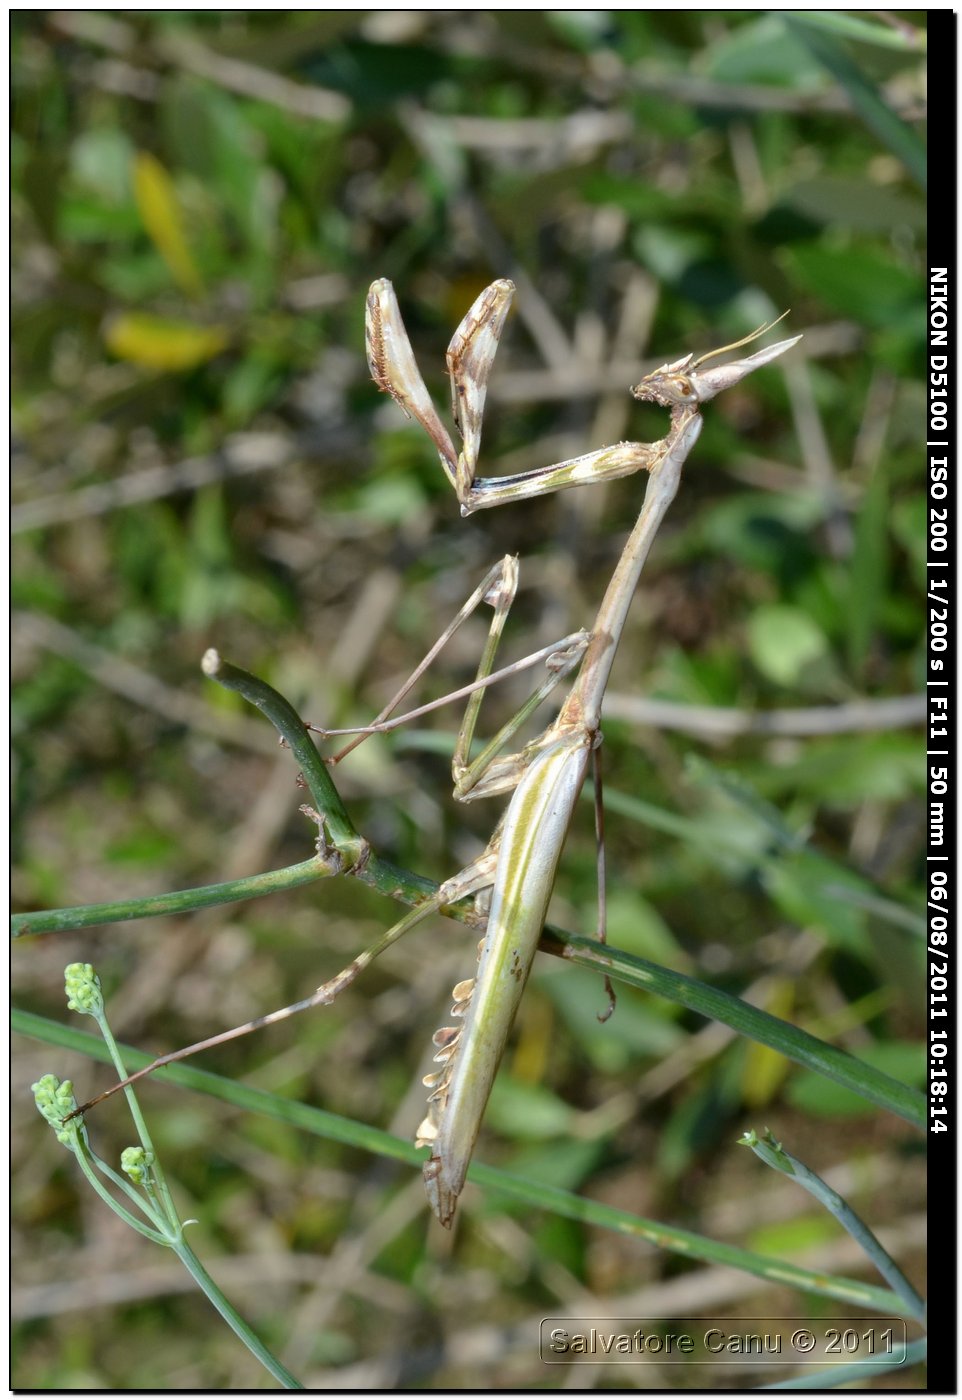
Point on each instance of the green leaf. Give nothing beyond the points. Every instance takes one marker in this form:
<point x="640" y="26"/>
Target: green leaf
<point x="527" y="1111"/>
<point x="766" y="532"/>
<point x="761" y="52"/>
<point x="142" y="846"/>
<point x="908" y="519"/>
<point x="670" y="251"/>
<point x="847" y="770"/>
<point x="784" y="1238"/>
<point x="747" y="1020"/>
<point x="638" y="1029"/>
<point x="736" y="789"/>
<point x="763" y="1070"/>
<point x="801" y="885"/>
<point x="101" y="161"/>
<point x="563" y="1165"/>
<point x="784" y="642"/>
<point x="857" y="282"/>
<point x="844" y="201"/>
<point x="636" y="925"/>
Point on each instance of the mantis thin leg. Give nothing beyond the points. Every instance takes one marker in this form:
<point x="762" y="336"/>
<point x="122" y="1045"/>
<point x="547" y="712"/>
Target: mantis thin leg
<point x="474" y="877"/>
<point x="560" y="656"/>
<point x="491" y="771"/>
<point x="497" y="588"/>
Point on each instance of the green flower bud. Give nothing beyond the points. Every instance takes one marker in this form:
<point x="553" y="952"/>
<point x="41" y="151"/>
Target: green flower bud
<point x="82" y="986"/>
<point x="55" y="1100"/>
<point x="136" y="1162"/>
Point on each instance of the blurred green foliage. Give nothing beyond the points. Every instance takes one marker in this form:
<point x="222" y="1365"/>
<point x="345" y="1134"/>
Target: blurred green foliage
<point x="200" y="200"/>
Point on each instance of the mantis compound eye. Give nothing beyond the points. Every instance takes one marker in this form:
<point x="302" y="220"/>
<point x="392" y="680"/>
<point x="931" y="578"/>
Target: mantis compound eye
<point x="666" y="390"/>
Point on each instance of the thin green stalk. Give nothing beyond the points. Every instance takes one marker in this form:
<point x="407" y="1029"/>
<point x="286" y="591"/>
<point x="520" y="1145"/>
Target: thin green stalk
<point x="774" y="1155"/>
<point x="146" y="1186"/>
<point x="795" y="1044"/>
<point x="850" y="1375"/>
<point x="233" y="1318"/>
<point x="338" y="826"/>
<point x="174" y="902"/>
<point x="140" y="1123"/>
<point x="380" y="875"/>
<point x="784" y="841"/>
<point x="843" y="26"/>
<point x="531" y="1194"/>
<point x="87" y="1160"/>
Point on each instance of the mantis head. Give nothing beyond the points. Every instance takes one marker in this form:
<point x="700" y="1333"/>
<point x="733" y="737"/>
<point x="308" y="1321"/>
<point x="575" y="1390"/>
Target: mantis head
<point x="685" y="384"/>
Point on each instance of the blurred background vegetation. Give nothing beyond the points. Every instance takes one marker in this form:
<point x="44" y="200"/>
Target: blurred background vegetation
<point x="200" y="201"/>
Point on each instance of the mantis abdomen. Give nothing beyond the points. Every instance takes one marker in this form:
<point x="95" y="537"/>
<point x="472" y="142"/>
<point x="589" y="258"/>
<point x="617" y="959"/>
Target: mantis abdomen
<point x="532" y="838"/>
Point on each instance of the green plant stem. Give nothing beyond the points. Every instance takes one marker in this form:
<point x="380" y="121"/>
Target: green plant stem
<point x="175" y="902"/>
<point x="533" y="1195"/>
<point x="86" y="1160"/>
<point x="774" y="1155"/>
<point x="844" y="26"/>
<point x="850" y="1375"/>
<point x="159" y="1221"/>
<point x="795" y="1044"/>
<point x="380" y="875"/>
<point x="233" y="1318"/>
<point x="338" y="826"/>
<point x="140" y="1123"/>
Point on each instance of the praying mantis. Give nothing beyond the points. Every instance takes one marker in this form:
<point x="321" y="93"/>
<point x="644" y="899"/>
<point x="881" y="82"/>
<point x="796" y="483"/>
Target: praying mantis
<point x="520" y="863"/>
<point x="513" y="878"/>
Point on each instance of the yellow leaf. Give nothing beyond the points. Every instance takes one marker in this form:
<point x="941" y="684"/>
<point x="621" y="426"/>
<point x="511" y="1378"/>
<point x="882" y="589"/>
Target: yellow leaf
<point x="765" y="1069"/>
<point x="159" y="344"/>
<point x="160" y="210"/>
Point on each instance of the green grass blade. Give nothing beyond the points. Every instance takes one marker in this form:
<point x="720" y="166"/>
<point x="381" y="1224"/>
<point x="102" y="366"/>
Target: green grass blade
<point x="795" y="1044"/>
<point x="536" y="1195"/>
<point x="845" y="26"/>
<point x="890" y="129"/>
<point x="784" y="841"/>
